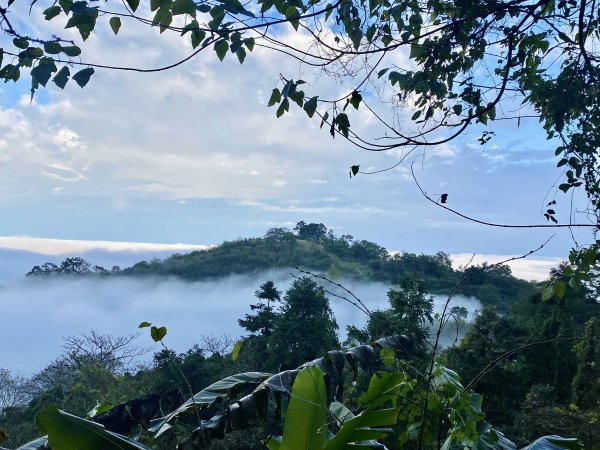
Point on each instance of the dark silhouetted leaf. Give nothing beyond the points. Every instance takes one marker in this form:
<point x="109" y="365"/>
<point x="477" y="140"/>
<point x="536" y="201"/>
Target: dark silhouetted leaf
<point x="83" y="76"/>
<point x="62" y="77"/>
<point x="158" y="333"/>
<point x="221" y="48"/>
<point x="115" y="24"/>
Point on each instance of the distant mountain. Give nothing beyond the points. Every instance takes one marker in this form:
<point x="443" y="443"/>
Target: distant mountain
<point x="14" y="264"/>
<point x="315" y="248"/>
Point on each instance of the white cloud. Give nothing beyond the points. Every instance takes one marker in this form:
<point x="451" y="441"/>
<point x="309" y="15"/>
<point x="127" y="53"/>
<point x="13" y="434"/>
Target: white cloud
<point x="58" y="247"/>
<point x="530" y="268"/>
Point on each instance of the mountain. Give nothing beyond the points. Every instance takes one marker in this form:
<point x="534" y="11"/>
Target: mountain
<point x="315" y="248"/>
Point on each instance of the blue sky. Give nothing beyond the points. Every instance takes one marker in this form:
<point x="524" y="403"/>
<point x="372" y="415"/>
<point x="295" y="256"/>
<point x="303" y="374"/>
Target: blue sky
<point x="194" y="155"/>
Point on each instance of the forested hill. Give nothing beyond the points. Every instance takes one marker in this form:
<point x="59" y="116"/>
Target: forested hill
<point x="313" y="247"/>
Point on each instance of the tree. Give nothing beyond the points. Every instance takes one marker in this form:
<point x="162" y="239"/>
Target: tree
<point x="410" y="313"/>
<point x="489" y="339"/>
<point x="12" y="389"/>
<point x="305" y="326"/>
<point x="586" y="383"/>
<point x="315" y="231"/>
<point x="263" y="320"/>
<point x="114" y="353"/>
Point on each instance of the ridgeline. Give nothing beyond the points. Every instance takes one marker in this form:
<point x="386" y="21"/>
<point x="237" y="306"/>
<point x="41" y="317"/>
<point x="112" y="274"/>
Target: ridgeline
<point x="313" y="247"/>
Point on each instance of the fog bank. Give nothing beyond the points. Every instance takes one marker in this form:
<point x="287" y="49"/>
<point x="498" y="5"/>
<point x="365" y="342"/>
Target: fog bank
<point x="35" y="314"/>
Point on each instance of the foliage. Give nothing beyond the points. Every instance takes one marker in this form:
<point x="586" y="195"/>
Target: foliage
<point x="410" y="312"/>
<point x="66" y="432"/>
<point x="586" y="383"/>
<point x="525" y="365"/>
<point x="393" y="399"/>
<point x="264" y="318"/>
<point x="305" y="328"/>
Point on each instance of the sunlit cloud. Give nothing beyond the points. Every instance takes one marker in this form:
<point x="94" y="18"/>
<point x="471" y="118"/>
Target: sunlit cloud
<point x="530" y="268"/>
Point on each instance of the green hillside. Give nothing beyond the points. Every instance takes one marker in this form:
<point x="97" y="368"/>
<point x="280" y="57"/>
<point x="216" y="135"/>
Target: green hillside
<point x="315" y="248"/>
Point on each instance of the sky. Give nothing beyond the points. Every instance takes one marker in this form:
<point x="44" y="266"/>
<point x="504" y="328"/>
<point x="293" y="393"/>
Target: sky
<point x="193" y="155"/>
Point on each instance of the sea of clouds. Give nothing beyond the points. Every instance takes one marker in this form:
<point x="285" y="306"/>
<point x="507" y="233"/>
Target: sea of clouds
<point x="38" y="313"/>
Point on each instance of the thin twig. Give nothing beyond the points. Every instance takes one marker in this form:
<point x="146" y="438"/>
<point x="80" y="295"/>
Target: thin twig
<point x="493" y="224"/>
<point x="364" y="308"/>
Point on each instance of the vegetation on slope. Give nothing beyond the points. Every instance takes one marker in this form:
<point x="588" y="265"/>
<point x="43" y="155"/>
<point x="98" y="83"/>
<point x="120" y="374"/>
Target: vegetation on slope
<point x="314" y="247"/>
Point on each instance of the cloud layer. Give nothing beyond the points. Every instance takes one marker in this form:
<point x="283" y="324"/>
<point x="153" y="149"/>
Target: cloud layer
<point x="37" y="314"/>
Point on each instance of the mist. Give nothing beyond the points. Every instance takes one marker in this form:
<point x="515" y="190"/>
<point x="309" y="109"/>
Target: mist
<point x="35" y="314"/>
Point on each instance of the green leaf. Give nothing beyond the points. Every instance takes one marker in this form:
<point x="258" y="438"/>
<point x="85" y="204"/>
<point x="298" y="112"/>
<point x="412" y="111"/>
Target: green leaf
<point x="10" y="72"/>
<point x="68" y="432"/>
<point x="324" y="119"/>
<point x="52" y="12"/>
<point x="241" y="54"/>
<point x="343" y="124"/>
<point x="416" y="51"/>
<point x="292" y="15"/>
<point x="221" y="48"/>
<point x="547" y="293"/>
<point x="71" y="50"/>
<point x="157" y="333"/>
<point x="193" y="25"/>
<point x="311" y="106"/>
<point x="355" y="431"/>
<point x="340" y="412"/>
<point x="387" y="355"/>
<point x="197" y="34"/>
<point x="492" y="112"/>
<point x="275" y="97"/>
<point x="371" y="32"/>
<point x="382" y="72"/>
<point x="249" y="42"/>
<point x="133" y="4"/>
<point x="559" y="289"/>
<point x="218" y="14"/>
<point x="383" y="387"/>
<point x="416" y="115"/>
<point x="115" y="24"/>
<point x="236" y="350"/>
<point x="99" y="409"/>
<point x="65" y="5"/>
<point x="284" y="106"/>
<point x="83" y="76"/>
<point x="61" y="78"/>
<point x="355" y="99"/>
<point x="162" y="18"/>
<point x="52" y="48"/>
<point x="144" y="325"/>
<point x="83" y="18"/>
<point x="457" y="109"/>
<point x="21" y="43"/>
<point x="43" y="71"/>
<point x="184" y="7"/>
<point x="305" y="426"/>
